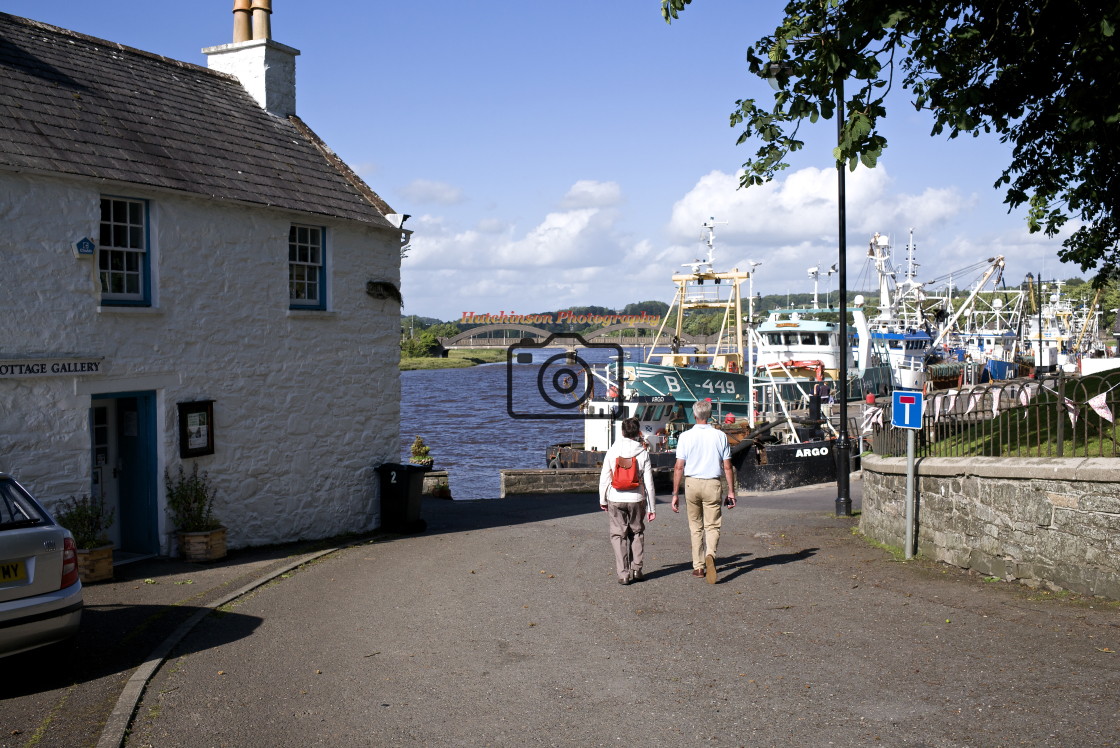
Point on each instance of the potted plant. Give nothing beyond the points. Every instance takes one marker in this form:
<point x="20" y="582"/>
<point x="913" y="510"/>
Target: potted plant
<point x="190" y="501"/>
<point x="420" y="453"/>
<point x="88" y="519"/>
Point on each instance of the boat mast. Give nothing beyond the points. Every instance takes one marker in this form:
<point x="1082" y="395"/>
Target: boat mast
<point x="996" y="265"/>
<point x="879" y="250"/>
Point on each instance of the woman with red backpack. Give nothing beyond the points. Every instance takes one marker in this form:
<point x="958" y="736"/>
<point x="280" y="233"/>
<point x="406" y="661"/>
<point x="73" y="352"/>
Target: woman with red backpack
<point x="626" y="495"/>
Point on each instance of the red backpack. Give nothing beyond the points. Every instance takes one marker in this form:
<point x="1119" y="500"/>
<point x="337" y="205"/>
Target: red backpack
<point x="625" y="476"/>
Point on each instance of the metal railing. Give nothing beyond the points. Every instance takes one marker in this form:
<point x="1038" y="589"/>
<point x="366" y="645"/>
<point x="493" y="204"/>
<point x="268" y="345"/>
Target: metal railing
<point x="1053" y="416"/>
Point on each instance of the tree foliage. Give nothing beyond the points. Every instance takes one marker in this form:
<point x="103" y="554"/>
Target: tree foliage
<point x="651" y="308"/>
<point x="419" y="346"/>
<point x="1039" y="74"/>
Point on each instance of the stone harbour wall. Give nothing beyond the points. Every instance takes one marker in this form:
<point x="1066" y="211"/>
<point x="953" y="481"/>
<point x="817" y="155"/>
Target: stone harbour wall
<point x="560" y="480"/>
<point x="1043" y="521"/>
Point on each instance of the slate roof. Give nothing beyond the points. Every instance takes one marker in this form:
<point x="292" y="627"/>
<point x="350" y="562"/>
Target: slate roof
<point x="73" y="104"/>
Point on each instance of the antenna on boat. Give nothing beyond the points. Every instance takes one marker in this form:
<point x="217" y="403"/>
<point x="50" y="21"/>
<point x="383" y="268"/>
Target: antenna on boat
<point x="815" y="274"/>
<point x="710" y="225"/>
<point x="910" y="264"/>
<point x="834" y="269"/>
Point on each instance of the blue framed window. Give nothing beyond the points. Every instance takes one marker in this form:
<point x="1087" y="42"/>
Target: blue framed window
<point x="123" y="259"/>
<point x="306" y="268"/>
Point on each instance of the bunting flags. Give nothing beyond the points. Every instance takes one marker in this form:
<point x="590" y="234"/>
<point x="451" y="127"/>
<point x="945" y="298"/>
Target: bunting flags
<point x="873" y="417"/>
<point x="1071" y="409"/>
<point x="1098" y="404"/>
<point x="944" y="404"/>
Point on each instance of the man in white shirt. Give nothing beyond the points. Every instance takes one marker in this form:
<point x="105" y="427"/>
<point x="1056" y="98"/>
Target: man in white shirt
<point x="702" y="455"/>
<point x="629" y="507"/>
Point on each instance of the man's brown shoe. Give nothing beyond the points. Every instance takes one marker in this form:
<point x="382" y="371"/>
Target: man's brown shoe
<point x="710" y="567"/>
<point x="697" y="572"/>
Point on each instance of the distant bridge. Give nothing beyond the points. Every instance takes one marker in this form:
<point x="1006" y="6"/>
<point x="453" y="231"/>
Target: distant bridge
<point x="485" y="336"/>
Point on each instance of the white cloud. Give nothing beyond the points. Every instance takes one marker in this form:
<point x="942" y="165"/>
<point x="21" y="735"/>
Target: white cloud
<point x="587" y="193"/>
<point x="572" y="239"/>
<point x="430" y="192"/>
<point x="492" y="226"/>
<point x="580" y="255"/>
<point x="366" y="169"/>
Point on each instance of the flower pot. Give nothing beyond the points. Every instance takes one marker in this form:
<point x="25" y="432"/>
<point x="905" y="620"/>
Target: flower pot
<point x="95" y="564"/>
<point x="207" y="545"/>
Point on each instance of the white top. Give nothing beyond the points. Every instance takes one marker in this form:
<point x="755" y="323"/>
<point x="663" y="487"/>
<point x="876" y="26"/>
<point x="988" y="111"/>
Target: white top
<point x="607" y="492"/>
<point x="703" y="450"/>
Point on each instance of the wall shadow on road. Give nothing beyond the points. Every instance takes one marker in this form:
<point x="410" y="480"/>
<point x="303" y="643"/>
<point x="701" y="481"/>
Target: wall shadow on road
<point x="113" y="639"/>
<point x="159" y="567"/>
<point x="444" y="516"/>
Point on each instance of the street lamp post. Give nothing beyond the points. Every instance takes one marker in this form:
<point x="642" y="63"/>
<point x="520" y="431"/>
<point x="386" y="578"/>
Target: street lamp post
<point x="750" y="339"/>
<point x="843" y="445"/>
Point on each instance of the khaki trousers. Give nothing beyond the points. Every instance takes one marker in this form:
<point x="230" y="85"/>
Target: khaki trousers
<point x="705" y="514"/>
<point x="628" y="535"/>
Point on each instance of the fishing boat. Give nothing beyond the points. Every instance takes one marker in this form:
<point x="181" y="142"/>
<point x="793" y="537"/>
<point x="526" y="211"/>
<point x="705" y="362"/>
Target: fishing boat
<point x="1069" y="330"/>
<point x="760" y="404"/>
<point x="928" y="343"/>
<point x="900" y="332"/>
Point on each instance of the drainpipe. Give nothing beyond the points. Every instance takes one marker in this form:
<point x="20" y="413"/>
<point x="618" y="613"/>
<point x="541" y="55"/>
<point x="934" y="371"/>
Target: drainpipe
<point x="262" y="25"/>
<point x="242" y="29"/>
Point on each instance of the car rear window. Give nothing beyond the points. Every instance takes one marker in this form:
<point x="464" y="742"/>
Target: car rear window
<point x="17" y="508"/>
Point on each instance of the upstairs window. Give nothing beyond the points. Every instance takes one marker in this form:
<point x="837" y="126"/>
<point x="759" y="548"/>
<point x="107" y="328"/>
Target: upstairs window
<point x="122" y="252"/>
<point x="306" y="268"/>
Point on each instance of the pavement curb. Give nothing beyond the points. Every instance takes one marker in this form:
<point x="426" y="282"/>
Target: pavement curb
<point x="116" y="726"/>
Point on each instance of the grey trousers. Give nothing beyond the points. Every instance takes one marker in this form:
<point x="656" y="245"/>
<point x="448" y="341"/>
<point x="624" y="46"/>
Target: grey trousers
<point x="628" y="535"/>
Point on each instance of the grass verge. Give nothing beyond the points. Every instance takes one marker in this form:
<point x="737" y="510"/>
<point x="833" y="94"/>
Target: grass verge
<point x="456" y="359"/>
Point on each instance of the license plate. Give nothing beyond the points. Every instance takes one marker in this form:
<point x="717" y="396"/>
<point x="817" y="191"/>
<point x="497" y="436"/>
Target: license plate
<point x="12" y="571"/>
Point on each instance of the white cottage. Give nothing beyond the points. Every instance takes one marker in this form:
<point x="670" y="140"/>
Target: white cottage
<point x="190" y="277"/>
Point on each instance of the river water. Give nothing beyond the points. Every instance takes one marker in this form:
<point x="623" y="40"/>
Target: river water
<point x="462" y="416"/>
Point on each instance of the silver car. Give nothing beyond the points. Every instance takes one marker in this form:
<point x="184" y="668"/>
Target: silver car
<point x="40" y="594"/>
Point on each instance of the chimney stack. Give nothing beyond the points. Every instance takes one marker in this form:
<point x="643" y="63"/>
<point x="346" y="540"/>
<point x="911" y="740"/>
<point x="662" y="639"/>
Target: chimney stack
<point x="265" y="68"/>
<point x="262" y="19"/>
<point x="242" y="24"/>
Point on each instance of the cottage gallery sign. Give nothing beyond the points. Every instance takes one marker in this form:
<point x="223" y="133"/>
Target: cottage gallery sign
<point x="49" y="367"/>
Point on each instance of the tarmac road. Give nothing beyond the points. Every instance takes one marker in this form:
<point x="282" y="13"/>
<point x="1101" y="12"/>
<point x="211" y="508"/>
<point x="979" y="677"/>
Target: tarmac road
<point x="63" y="696"/>
<point x="503" y="625"/>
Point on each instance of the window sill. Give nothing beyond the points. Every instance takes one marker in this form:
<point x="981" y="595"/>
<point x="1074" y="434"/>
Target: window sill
<point x="129" y="311"/>
<point x="312" y="314"/>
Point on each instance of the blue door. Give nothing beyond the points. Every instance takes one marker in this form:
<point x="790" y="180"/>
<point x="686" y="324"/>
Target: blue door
<point x="123" y="431"/>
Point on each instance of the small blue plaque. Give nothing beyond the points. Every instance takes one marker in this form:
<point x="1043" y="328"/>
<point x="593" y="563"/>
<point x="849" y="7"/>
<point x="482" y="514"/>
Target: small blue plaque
<point x="85" y="246"/>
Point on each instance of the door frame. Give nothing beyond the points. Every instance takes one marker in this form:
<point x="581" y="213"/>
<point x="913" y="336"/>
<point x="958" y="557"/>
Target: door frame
<point x="137" y="505"/>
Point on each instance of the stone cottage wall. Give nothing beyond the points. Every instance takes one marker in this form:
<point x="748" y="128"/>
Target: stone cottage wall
<point x="306" y="402"/>
<point x="1043" y="521"/>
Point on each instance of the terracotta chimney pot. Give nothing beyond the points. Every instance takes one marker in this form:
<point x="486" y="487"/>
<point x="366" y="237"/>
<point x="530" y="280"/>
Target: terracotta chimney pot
<point x="262" y="23"/>
<point x="242" y="21"/>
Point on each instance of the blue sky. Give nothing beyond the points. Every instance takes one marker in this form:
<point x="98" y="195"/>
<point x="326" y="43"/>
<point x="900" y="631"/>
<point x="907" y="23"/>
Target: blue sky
<point x="560" y="154"/>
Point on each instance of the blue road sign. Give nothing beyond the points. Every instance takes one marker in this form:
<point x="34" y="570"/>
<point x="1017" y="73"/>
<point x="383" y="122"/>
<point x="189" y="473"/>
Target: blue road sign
<point x="906" y="412"/>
